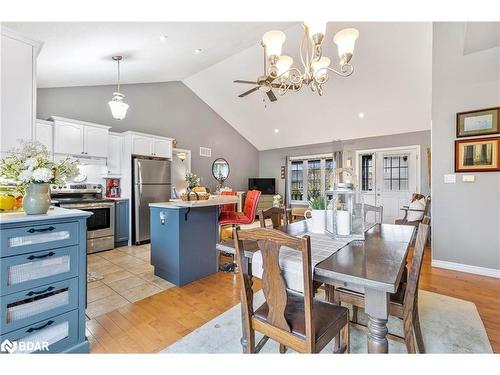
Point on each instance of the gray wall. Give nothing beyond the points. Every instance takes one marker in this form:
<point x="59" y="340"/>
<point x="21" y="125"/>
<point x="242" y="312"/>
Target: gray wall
<point x="466" y="216"/>
<point x="270" y="161"/>
<point x="166" y="109"/>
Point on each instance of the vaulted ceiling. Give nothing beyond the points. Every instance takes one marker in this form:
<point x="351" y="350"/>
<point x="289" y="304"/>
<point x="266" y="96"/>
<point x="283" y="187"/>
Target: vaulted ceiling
<point x="391" y="85"/>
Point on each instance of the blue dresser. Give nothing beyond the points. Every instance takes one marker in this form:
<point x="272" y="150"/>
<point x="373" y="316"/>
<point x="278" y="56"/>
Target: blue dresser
<point x="43" y="282"/>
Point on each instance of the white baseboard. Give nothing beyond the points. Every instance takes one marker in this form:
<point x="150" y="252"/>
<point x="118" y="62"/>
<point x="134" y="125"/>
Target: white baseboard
<point x="491" y="272"/>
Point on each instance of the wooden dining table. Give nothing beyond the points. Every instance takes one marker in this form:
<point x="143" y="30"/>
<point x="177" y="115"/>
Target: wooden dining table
<point x="374" y="267"/>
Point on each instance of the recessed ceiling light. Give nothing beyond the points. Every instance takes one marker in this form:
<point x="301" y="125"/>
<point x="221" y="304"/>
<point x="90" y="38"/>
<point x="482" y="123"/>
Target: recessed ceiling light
<point x="361" y="115"/>
<point x="163" y="37"/>
<point x="276" y="130"/>
<point x="197" y="50"/>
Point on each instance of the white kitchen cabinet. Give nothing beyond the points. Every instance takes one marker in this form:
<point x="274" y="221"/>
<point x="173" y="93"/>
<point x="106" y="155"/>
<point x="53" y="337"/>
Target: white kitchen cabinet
<point x="115" y="150"/>
<point x="142" y="145"/>
<point x="44" y="133"/>
<point x="162" y="147"/>
<point x="80" y="138"/>
<point x="68" y="138"/>
<point x="150" y="145"/>
<point x="95" y="141"/>
<point x="18" y="87"/>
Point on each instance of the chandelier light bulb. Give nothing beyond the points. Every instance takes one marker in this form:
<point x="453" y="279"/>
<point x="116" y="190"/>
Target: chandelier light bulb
<point x="316" y="30"/>
<point x="273" y="42"/>
<point x="319" y="68"/>
<point x="283" y="65"/>
<point x="345" y="40"/>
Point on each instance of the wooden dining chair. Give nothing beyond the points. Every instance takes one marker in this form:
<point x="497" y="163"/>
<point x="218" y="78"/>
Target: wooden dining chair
<point x="403" y="303"/>
<point x="278" y="216"/>
<point x="295" y="320"/>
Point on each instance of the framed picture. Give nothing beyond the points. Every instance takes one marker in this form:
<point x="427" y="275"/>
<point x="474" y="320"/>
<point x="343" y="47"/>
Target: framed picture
<point x="477" y="155"/>
<point x="480" y="122"/>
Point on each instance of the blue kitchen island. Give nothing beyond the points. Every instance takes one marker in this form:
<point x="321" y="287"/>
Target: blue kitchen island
<point x="183" y="238"/>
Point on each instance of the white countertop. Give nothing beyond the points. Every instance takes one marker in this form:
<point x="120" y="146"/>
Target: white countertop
<point x="213" y="201"/>
<point x="54" y="213"/>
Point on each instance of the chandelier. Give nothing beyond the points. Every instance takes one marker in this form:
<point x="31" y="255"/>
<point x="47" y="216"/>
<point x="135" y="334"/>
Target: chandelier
<point x="315" y="66"/>
<point x="116" y="104"/>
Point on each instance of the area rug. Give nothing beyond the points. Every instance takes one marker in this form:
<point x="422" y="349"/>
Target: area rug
<point x="449" y="325"/>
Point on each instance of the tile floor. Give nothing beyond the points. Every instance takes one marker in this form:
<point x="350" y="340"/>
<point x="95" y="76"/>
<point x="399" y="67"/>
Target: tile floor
<point x="127" y="277"/>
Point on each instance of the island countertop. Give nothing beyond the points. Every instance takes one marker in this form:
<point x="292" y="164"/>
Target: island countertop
<point x="53" y="213"/>
<point x="216" y="201"/>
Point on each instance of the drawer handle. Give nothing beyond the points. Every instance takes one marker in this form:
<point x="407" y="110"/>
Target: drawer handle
<point x="31" y="257"/>
<point x="32" y="293"/>
<point x="49" y="229"/>
<point x="41" y="327"/>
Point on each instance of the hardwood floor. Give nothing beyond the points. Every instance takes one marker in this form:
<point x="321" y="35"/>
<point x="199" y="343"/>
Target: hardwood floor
<point x="150" y="325"/>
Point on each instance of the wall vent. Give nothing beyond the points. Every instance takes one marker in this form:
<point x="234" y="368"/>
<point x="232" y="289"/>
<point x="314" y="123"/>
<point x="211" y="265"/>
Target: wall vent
<point x="206" y="152"/>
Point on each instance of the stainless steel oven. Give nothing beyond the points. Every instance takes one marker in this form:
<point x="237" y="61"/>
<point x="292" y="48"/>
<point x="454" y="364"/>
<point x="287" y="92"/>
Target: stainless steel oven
<point x="101" y="224"/>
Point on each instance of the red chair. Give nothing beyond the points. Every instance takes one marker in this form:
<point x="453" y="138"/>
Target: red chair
<point x="240" y="218"/>
<point x="248" y="214"/>
<point x="228" y="207"/>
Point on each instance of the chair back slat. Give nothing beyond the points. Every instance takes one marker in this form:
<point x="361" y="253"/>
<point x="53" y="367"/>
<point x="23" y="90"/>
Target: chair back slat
<point x="270" y="242"/>
<point x="416" y="265"/>
<point x="277" y="215"/>
<point x="273" y="284"/>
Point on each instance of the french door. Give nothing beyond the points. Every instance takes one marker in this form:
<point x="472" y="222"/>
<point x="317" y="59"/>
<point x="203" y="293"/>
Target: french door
<point x="388" y="177"/>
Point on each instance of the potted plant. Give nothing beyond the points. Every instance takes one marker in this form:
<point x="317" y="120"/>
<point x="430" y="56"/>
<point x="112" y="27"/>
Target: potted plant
<point x="31" y="169"/>
<point x="192" y="181"/>
<point x="317" y="209"/>
<point x="276" y="200"/>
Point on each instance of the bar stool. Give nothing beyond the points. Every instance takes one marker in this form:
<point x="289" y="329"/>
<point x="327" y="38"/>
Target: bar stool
<point x="234" y="218"/>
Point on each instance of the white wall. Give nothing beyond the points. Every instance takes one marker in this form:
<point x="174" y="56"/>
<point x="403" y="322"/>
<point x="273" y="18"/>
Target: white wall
<point x="465" y="216"/>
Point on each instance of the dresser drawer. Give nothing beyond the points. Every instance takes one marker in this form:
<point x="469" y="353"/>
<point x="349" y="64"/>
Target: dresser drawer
<point x="57" y="333"/>
<point x="32" y="238"/>
<point x="32" y="305"/>
<point x="29" y="271"/>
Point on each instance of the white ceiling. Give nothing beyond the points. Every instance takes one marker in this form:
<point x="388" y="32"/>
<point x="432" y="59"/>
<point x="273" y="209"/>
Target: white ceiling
<point x="79" y="53"/>
<point x="391" y="86"/>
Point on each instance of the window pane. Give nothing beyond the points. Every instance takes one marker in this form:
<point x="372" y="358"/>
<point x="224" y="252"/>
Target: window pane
<point x="328" y="174"/>
<point x="396" y="173"/>
<point x="367" y="172"/>
<point x="297" y="180"/>
<point x="313" y="179"/>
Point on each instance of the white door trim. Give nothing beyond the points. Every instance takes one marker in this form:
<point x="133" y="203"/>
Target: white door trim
<point x="416" y="148"/>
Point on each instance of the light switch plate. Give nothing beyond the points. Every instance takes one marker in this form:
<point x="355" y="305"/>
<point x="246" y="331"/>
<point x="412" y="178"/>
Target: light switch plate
<point x="468" y="178"/>
<point x="450" y="178"/>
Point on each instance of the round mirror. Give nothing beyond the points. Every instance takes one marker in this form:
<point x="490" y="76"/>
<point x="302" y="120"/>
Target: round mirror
<point x="220" y="170"/>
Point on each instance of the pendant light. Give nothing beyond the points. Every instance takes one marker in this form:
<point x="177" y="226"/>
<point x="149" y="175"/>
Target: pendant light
<point x="116" y="104"/>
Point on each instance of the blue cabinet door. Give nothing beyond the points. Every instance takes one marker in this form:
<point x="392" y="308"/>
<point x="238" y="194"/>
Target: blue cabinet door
<point x="121" y="222"/>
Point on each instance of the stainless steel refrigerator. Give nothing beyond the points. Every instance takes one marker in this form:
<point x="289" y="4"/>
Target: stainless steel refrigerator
<point x="152" y="183"/>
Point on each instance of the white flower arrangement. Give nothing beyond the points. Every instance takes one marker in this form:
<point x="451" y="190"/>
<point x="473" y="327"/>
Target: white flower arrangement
<point x="192" y="180"/>
<point x="30" y="164"/>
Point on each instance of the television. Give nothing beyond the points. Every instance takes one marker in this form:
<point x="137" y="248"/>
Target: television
<point x="264" y="185"/>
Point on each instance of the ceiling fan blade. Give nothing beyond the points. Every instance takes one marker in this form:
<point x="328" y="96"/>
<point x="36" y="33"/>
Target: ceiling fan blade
<point x="248" y="92"/>
<point x="271" y="96"/>
<point x="241" y="81"/>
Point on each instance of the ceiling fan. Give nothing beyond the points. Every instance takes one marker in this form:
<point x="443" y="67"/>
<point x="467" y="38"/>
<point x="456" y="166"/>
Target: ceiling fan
<point x="264" y="83"/>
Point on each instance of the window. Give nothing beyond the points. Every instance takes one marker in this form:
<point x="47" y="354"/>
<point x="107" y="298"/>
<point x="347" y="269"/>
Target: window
<point x="367" y="172"/>
<point x="310" y="177"/>
<point x="396" y="173"/>
<point x="297" y="180"/>
<point x="313" y="179"/>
